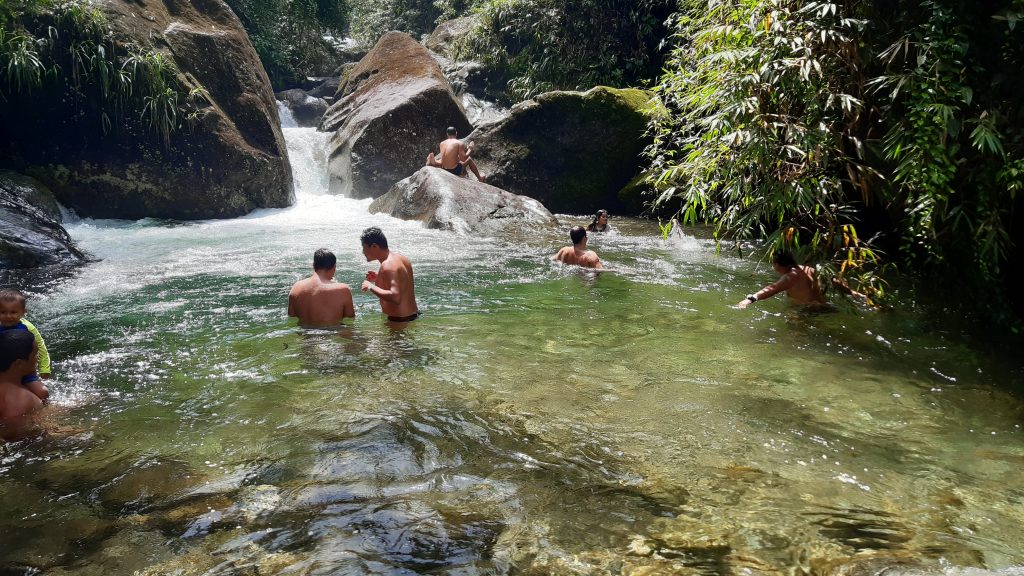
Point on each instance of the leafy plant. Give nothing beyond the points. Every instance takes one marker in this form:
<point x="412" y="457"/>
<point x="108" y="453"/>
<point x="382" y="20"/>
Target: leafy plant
<point x="77" y="52"/>
<point x="574" y="44"/>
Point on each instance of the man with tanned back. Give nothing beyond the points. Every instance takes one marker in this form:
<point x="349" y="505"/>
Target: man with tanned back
<point x="578" y="253"/>
<point x="454" y="156"/>
<point x="393" y="283"/>
<point x="18" y="352"/>
<point x="800" y="283"/>
<point x="319" y="300"/>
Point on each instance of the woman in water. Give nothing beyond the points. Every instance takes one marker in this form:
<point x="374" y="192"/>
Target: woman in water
<point x="600" y="223"/>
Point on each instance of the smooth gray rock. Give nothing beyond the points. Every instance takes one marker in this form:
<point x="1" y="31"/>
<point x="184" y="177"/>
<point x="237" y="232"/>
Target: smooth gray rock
<point x="445" y="201"/>
<point x="393" y="109"/>
<point x="30" y="232"/>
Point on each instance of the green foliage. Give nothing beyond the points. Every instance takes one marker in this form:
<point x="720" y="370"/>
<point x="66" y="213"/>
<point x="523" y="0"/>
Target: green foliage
<point x="761" y="95"/>
<point x="79" y="54"/>
<point x="289" y="35"/>
<point x="801" y="122"/>
<point x="570" y="44"/>
<point x="372" y="18"/>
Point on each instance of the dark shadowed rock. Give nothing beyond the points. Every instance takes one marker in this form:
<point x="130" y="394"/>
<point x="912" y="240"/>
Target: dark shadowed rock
<point x="327" y="88"/>
<point x="228" y="160"/>
<point x="30" y="230"/>
<point x="573" y="151"/>
<point x="448" y="202"/>
<point x="307" y="110"/>
<point x="394" y="108"/>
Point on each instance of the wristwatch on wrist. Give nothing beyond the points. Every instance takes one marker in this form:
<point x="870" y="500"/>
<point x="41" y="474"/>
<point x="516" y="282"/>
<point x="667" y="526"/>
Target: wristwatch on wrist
<point x="752" y="297"/>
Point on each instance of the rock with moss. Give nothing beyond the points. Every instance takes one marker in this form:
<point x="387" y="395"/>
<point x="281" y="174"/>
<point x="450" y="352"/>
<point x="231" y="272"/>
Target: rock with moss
<point x="573" y="151"/>
<point x="205" y="143"/>
<point x="30" y="231"/>
<point x="393" y="109"/>
<point x="444" y="201"/>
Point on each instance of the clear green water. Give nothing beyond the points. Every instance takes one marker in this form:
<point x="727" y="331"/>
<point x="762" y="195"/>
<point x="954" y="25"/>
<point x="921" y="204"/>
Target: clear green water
<point x="537" y="419"/>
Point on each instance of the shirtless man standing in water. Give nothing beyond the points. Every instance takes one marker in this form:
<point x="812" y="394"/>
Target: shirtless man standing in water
<point x="319" y="300"/>
<point x="393" y="283"/>
<point x="800" y="283"/>
<point x="578" y="253"/>
<point x="454" y="156"/>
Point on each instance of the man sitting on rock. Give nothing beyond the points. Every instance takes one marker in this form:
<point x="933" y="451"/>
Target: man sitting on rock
<point x="578" y="253"/>
<point x="455" y="156"/>
<point x="17" y="359"/>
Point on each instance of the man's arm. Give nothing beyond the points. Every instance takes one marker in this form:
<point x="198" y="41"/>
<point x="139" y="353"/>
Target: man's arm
<point x="293" y="305"/>
<point x="392" y="295"/>
<point x="783" y="284"/>
<point x="348" y="309"/>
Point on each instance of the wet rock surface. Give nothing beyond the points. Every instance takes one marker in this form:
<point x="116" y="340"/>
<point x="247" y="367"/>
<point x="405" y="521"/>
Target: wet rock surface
<point x="30" y="231"/>
<point x="445" y="201"/>
<point x="307" y="109"/>
<point x="394" y="108"/>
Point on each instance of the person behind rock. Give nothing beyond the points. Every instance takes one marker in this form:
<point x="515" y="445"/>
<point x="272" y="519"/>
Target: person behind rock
<point x="319" y="300"/>
<point x="800" y="283"/>
<point x="18" y="355"/>
<point x="578" y="253"/>
<point x="393" y="282"/>
<point x="455" y="156"/>
<point x="600" y="223"/>
<point x="12" y="317"/>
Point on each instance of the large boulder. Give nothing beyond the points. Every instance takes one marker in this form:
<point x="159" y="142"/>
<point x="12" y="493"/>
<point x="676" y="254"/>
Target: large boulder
<point x="445" y="201"/>
<point x="30" y="230"/>
<point x="573" y="151"/>
<point x="306" y="109"/>
<point x="226" y="159"/>
<point x="394" y="108"/>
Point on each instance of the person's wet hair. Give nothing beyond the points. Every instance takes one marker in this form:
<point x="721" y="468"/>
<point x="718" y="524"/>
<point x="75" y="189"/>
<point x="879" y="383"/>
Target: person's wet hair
<point x="15" y="345"/>
<point x="324" y="259"/>
<point x="597" y="216"/>
<point x="451" y="131"/>
<point x="784" y="258"/>
<point x="577" y="234"/>
<point x="374" y="235"/>
<point x="12" y="295"/>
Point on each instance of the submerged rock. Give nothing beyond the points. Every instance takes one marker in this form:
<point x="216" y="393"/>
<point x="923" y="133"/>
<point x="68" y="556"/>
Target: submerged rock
<point x="226" y="160"/>
<point x="394" y="108"/>
<point x="573" y="151"/>
<point x="30" y="231"/>
<point x="445" y="201"/>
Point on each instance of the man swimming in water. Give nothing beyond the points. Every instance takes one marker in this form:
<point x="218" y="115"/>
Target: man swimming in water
<point x="319" y="300"/>
<point x="455" y="156"/>
<point x="800" y="283"/>
<point x="578" y="253"/>
<point x="393" y="282"/>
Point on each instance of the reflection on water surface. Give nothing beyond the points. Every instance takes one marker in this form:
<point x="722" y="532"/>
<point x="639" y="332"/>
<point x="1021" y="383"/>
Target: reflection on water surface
<point x="536" y="419"/>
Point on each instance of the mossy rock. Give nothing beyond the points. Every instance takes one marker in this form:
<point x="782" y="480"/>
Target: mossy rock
<point x="226" y="159"/>
<point x="573" y="151"/>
